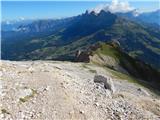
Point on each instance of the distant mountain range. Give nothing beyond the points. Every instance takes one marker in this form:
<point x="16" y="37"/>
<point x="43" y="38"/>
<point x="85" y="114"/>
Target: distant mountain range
<point x="35" y="25"/>
<point x="149" y="17"/>
<point x="137" y="35"/>
<point x="12" y="25"/>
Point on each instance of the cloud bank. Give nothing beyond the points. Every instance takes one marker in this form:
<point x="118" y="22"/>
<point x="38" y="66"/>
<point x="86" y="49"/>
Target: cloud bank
<point x="114" y="7"/>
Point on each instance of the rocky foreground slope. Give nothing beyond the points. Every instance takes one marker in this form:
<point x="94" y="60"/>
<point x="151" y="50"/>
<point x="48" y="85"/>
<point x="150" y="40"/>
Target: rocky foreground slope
<point x="52" y="90"/>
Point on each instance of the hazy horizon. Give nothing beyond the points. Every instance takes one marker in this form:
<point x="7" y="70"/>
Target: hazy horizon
<point x="15" y="10"/>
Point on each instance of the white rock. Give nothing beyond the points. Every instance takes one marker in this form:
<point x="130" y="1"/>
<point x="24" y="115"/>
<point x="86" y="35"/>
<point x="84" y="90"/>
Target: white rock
<point x="31" y="69"/>
<point x="2" y="116"/>
<point x="3" y="69"/>
<point x="48" y="88"/>
<point x="97" y="104"/>
<point x="24" y="92"/>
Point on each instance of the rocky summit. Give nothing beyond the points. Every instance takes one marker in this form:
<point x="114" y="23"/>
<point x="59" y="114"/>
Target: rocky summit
<point x="54" y="90"/>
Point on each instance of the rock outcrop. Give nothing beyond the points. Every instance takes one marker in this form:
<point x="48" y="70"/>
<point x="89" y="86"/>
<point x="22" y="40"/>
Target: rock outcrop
<point x="107" y="81"/>
<point x="82" y="56"/>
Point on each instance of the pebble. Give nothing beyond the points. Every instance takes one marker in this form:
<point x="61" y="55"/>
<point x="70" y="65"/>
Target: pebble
<point x="81" y="112"/>
<point x="31" y="69"/>
<point x="97" y="104"/>
<point x="98" y="87"/>
<point x="47" y="88"/>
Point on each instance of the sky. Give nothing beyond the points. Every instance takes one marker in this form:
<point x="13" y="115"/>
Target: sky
<point x="12" y="10"/>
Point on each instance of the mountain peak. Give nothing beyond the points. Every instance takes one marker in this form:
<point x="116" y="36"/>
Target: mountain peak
<point x="103" y="12"/>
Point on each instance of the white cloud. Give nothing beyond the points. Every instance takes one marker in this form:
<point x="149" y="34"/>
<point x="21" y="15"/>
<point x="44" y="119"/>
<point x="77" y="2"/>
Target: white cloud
<point x="8" y="22"/>
<point x="21" y="18"/>
<point x="115" y="6"/>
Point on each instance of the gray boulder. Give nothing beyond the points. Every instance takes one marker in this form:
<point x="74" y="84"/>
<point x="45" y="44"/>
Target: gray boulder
<point x="107" y="81"/>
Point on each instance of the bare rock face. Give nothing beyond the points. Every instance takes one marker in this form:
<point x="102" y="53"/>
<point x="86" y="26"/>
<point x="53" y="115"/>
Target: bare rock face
<point x="82" y="56"/>
<point x="108" y="83"/>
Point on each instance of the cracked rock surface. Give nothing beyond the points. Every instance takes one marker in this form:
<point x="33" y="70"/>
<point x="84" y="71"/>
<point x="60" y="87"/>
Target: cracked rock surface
<point x="53" y="90"/>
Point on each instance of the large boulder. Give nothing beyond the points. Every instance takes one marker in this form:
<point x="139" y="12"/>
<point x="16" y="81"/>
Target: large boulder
<point x="107" y="81"/>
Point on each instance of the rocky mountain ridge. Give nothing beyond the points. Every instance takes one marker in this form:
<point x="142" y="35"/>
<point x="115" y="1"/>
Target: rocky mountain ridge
<point x="111" y="55"/>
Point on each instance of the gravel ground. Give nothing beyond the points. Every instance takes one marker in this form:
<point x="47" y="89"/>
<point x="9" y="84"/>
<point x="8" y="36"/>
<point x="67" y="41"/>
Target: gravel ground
<point x="54" y="90"/>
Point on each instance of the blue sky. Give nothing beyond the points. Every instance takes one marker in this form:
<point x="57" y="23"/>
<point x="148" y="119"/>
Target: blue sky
<point x="12" y="10"/>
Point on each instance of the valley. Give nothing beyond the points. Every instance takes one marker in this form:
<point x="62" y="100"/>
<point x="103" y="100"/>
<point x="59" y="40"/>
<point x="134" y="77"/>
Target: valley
<point x="41" y="41"/>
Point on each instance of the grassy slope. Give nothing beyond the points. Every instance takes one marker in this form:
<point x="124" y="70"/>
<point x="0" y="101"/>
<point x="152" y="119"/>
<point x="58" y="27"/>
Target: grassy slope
<point x="135" y="68"/>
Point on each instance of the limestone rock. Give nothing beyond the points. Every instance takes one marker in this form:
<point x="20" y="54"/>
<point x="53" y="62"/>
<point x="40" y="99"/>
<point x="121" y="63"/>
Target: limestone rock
<point x="108" y="83"/>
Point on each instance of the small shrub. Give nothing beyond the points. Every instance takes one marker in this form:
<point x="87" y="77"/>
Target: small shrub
<point x="4" y="111"/>
<point x="22" y="99"/>
<point x="93" y="71"/>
